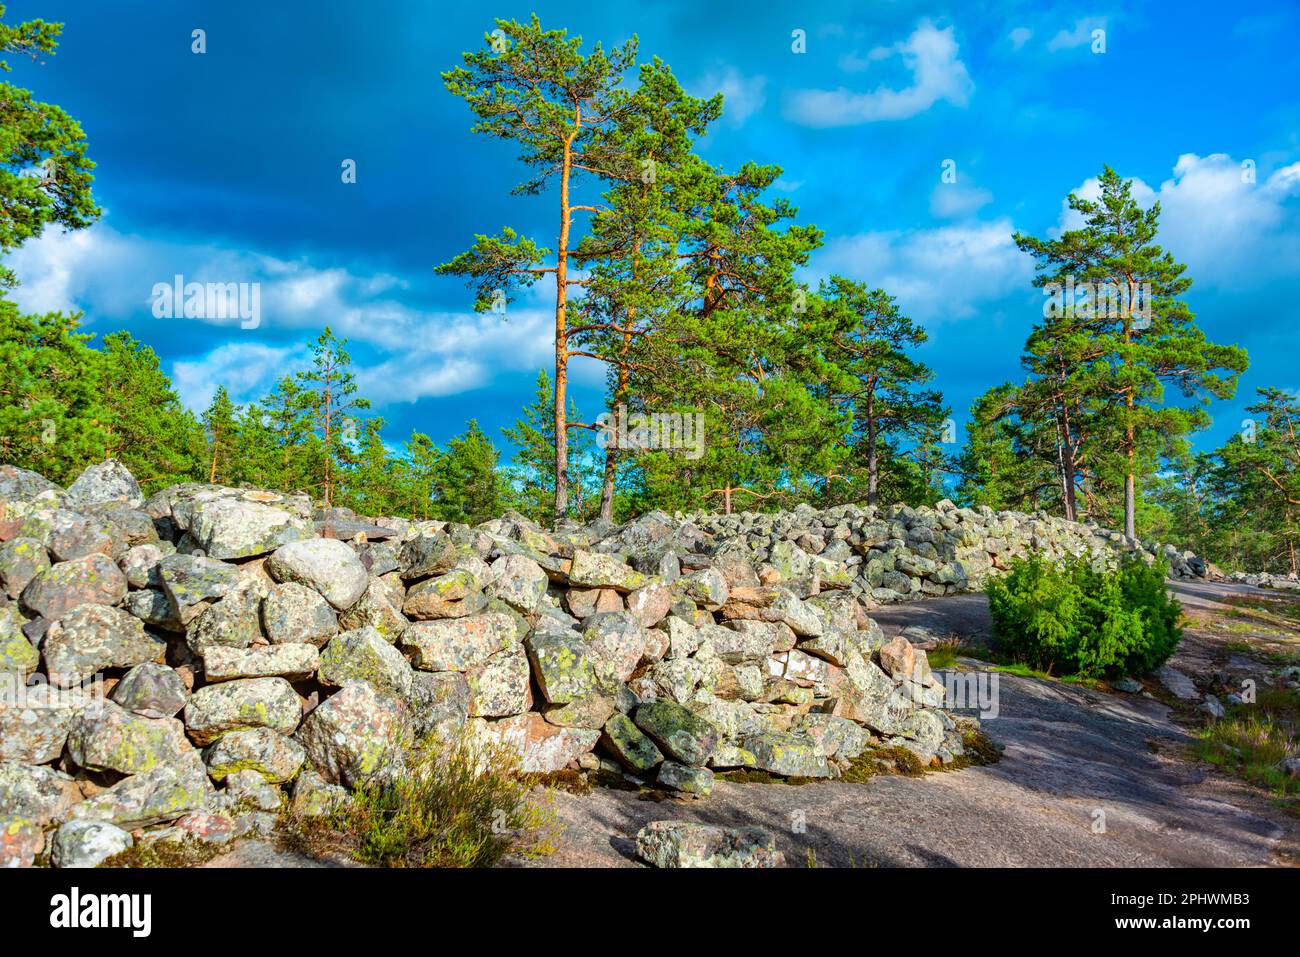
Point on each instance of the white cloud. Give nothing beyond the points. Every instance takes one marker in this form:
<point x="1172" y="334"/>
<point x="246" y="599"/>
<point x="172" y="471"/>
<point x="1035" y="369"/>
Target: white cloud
<point x="742" y="96"/>
<point x="956" y="201"/>
<point x="1232" y="234"/>
<point x="402" y="353"/>
<point x="1079" y="35"/>
<point x="1019" y="37"/>
<point x="929" y="54"/>
<point x="938" y="275"/>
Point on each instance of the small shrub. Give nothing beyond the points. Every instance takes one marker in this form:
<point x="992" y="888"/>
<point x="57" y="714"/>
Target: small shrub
<point x="455" y="806"/>
<point x="1077" y="620"/>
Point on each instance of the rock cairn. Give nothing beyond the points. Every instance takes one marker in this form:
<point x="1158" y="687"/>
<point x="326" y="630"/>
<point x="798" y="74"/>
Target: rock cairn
<point x="184" y="666"/>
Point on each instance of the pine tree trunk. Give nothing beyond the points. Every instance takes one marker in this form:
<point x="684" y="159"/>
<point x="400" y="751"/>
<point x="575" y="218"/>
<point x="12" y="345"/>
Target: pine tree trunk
<point x="873" y="459"/>
<point x="562" y="341"/>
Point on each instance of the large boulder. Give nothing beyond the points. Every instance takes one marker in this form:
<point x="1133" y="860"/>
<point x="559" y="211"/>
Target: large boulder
<point x="230" y="528"/>
<point x="107" y="737"/>
<point x="163" y="793"/>
<point x="34" y="721"/>
<point x="40" y="794"/>
<point x="458" y="644"/>
<point x="363" y="655"/>
<point x="356" y="736"/>
<point x="291" y="662"/>
<point x="108" y="481"/>
<point x="242" y="704"/>
<point x="687" y="844"/>
<point x="90" y="638"/>
<point x="94" y="579"/>
<point x="325" y="564"/>
<point x="623" y="739"/>
<point x="152" y="690"/>
<point x="21" y="560"/>
<point x="272" y="755"/>
<point x="542" y="747"/>
<point x="192" y="583"/>
<point x="88" y="843"/>
<point x="293" y="613"/>
<point x="680" y="734"/>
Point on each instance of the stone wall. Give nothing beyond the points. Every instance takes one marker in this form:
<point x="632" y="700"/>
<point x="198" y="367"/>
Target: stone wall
<point x="189" y="665"/>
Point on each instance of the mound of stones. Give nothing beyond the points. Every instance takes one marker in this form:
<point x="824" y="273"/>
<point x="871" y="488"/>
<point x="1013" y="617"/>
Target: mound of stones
<point x="186" y="666"/>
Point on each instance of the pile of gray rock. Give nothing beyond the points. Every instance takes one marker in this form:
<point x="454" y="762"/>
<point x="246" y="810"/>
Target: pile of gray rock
<point x="1265" y="580"/>
<point x="184" y="667"/>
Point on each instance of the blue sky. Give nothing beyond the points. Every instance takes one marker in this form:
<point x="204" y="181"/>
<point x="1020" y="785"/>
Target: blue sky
<point x="225" y="167"/>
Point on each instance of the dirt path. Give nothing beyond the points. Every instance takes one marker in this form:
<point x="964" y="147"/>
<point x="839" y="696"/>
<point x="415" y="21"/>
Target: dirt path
<point x="1088" y="778"/>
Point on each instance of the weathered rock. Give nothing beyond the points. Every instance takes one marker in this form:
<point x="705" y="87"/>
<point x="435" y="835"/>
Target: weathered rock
<point x="440" y="703"/>
<point x="151" y="690"/>
<point x="140" y="564"/>
<point x="520" y="582"/>
<point x="542" y="747"/>
<point x="291" y="662"/>
<point x="20" y="841"/>
<point x="790" y="755"/>
<point x="623" y="739"/>
<point x="17" y="655"/>
<point x="325" y="564"/>
<point x="679" y="777"/>
<point x="313" y="796"/>
<point x="94" y="579"/>
<point x="163" y="793"/>
<point x="564" y="668"/>
<point x="90" y="638"/>
<point x="651" y="603"/>
<point x="242" y="704"/>
<point x="680" y="734"/>
<point x="272" y="755"/>
<point x="356" y="736"/>
<point x="191" y="583"/>
<point x="898" y="658"/>
<point x="34" y="721"/>
<point x="363" y="655"/>
<point x="88" y="843"/>
<point x="108" y="481"/>
<point x="687" y="844"/>
<point x="234" y="622"/>
<point x="499" y="687"/>
<point x="458" y="644"/>
<point x="616" y="641"/>
<point x="1177" y="684"/>
<point x="294" y="613"/>
<point x="229" y="528"/>
<point x="39" y="794"/>
<point x="453" y="595"/>
<point x="21" y="560"/>
<point x="707" y="587"/>
<point x="377" y="609"/>
<point x="594" y="570"/>
<point x="107" y="737"/>
<point x="427" y="555"/>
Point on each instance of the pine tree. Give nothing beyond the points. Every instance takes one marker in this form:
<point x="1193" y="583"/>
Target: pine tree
<point x="219" y="425"/>
<point x="1132" y="336"/>
<point x="467" y="485"/>
<point x="332" y="399"/>
<point x="45" y="175"/>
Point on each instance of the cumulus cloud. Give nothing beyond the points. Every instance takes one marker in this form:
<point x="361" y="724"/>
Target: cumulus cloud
<point x="949" y="273"/>
<point x="937" y="73"/>
<point x="1232" y="233"/>
<point x="742" y="96"/>
<point x="1019" y="37"/>
<point x="956" y="201"/>
<point x="401" y="352"/>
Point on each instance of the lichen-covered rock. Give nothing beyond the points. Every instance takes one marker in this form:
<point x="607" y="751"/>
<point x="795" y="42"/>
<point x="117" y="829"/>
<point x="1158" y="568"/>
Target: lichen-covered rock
<point x="594" y="570"/>
<point x="294" y="613"/>
<point x="191" y="583"/>
<point x="34" y="721"/>
<point x="161" y="794"/>
<point x="687" y="844"/>
<point x="21" y="840"/>
<point x="679" y="733"/>
<point x="23" y="485"/>
<point x="272" y="755"/>
<point x="427" y="555"/>
<point x="564" y="668"/>
<point x="500" y="687"/>
<point x="616" y="641"/>
<point x="623" y="739"/>
<point x="325" y="564"/>
<point x="107" y="737"/>
<point x="17" y="655"/>
<point x="291" y="662"/>
<point x="787" y="754"/>
<point x="519" y="581"/>
<point x="679" y="777"/>
<point x="75" y="535"/>
<point x="707" y="587"/>
<point x="458" y="644"/>
<point x="21" y="560"/>
<point x="94" y="579"/>
<point x="453" y="595"/>
<point x="363" y="655"/>
<point x="313" y="796"/>
<point x="356" y="736"/>
<point x="651" y="603"/>
<point x="107" y="481"/>
<point x="229" y="528"/>
<point x="898" y="657"/>
<point x="242" y="704"/>
<point x="378" y="608"/>
<point x="90" y="638"/>
<point x="88" y="843"/>
<point x="40" y="794"/>
<point x="590" y="712"/>
<point x="233" y="622"/>
<point x="152" y="607"/>
<point x="542" y="747"/>
<point x="151" y="690"/>
<point x="440" y="703"/>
